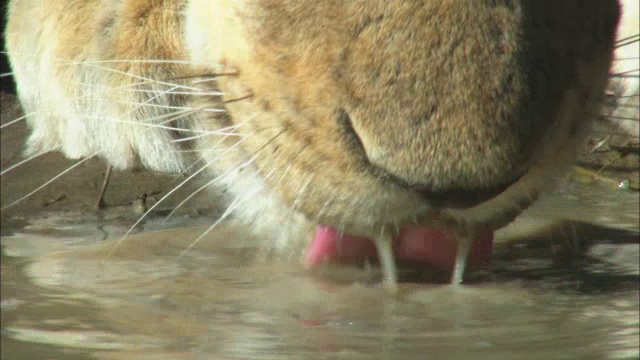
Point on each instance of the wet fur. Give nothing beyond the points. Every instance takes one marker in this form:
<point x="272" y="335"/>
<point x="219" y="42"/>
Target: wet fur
<point x="366" y="116"/>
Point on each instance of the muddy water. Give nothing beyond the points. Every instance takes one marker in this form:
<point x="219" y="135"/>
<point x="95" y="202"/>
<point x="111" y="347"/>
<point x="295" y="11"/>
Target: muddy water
<point x="67" y="295"/>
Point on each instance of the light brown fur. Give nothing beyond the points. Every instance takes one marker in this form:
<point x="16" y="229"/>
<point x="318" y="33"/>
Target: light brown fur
<point x="363" y="115"/>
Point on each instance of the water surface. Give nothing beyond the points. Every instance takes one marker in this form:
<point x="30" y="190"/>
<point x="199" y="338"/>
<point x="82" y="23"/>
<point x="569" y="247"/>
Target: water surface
<point x="66" y="296"/>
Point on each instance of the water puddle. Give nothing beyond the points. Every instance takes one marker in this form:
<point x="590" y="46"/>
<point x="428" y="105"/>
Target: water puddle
<point x="66" y="294"/>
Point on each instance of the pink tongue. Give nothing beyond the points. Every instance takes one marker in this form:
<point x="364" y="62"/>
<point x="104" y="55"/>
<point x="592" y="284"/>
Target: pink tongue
<point x="431" y="247"/>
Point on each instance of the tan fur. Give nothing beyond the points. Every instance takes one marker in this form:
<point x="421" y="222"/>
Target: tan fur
<point x="78" y="100"/>
<point x="363" y="115"/>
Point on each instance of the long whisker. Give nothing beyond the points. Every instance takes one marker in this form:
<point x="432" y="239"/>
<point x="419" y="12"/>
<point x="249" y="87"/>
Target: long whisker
<point x="200" y="79"/>
<point x="622" y="96"/>
<point x="135" y="87"/>
<point x="217" y="178"/>
<point x="289" y="166"/>
<point x="172" y="92"/>
<point x="627" y="41"/>
<point x="301" y="192"/>
<point x="234" y="205"/>
<point x="149" y="101"/>
<point x="204" y="77"/>
<point x="171" y="117"/>
<point x="205" y="186"/>
<point x="223" y="217"/>
<point x="138" y="76"/>
<point x="168" y="107"/>
<point x="17" y="120"/>
<point x="20" y="163"/>
<point x="626" y="74"/>
<point x="175" y="116"/>
<point x="96" y="64"/>
<point x="221" y="131"/>
<point x="202" y="156"/>
<point x="160" y="126"/>
<point x="50" y="181"/>
<point x="621" y="118"/>
<point x="165" y="197"/>
<point x="146" y="61"/>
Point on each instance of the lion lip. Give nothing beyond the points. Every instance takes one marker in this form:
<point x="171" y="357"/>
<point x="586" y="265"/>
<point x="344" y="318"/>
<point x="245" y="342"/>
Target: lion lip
<point x="429" y="247"/>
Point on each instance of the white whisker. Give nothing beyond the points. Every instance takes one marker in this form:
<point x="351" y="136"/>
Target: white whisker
<point x="627" y="41"/>
<point x="205" y="80"/>
<point x="20" y="163"/>
<point x="148" y="101"/>
<point x="165" y="197"/>
<point x="196" y="137"/>
<point x="152" y="61"/>
<point x="202" y="156"/>
<point x="138" y="76"/>
<point x="234" y="204"/>
<point x="190" y="93"/>
<point x="626" y="74"/>
<point x="217" y="178"/>
<point x="223" y="217"/>
<point x="128" y="86"/>
<point x="208" y="184"/>
<point x="50" y="181"/>
<point x="189" y="151"/>
<point x="168" y="107"/>
<point x="133" y="87"/>
<point x="222" y="132"/>
<point x="16" y="120"/>
<point x="176" y="115"/>
<point x="324" y="207"/>
<point x="159" y="126"/>
<point x="301" y="192"/>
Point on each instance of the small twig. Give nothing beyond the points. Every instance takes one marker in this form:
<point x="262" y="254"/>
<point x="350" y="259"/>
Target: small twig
<point x="100" y="203"/>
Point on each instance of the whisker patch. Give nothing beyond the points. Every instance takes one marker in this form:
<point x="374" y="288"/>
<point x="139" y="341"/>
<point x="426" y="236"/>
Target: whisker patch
<point x="50" y="181"/>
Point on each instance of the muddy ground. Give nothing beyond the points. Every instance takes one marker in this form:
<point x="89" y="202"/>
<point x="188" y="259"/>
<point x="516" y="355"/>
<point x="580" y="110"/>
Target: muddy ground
<point x="614" y="162"/>
<point x="77" y="190"/>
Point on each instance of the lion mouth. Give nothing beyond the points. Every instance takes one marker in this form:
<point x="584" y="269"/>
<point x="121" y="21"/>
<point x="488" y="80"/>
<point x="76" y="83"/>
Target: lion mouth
<point x="429" y="245"/>
<point x="420" y="246"/>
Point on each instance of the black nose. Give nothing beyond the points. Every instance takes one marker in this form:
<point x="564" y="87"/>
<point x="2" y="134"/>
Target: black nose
<point x="453" y="198"/>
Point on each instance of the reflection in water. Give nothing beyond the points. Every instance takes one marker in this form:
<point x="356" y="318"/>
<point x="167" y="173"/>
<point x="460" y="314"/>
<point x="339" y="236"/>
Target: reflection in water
<point x="65" y="296"/>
